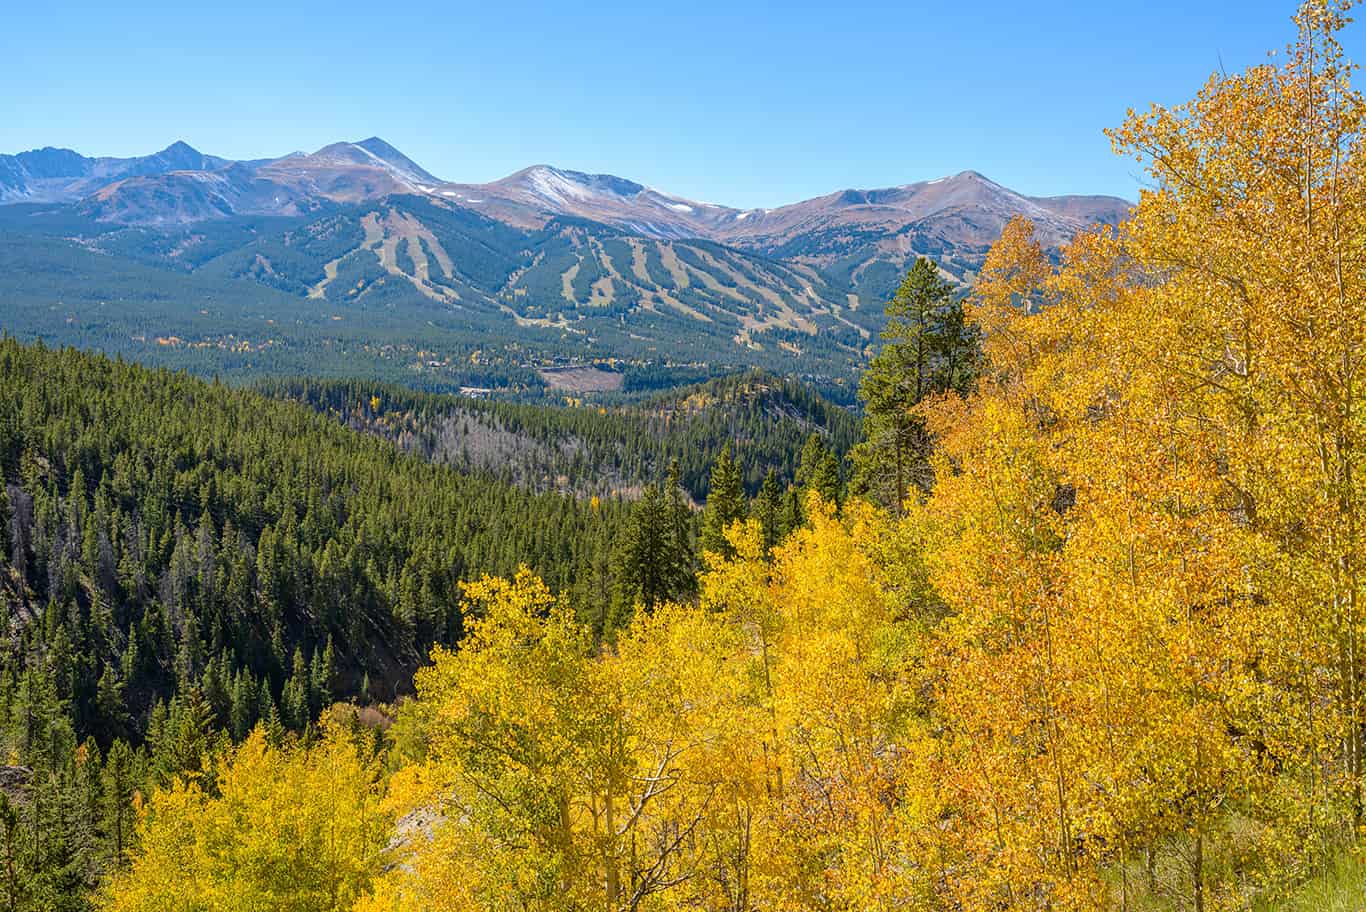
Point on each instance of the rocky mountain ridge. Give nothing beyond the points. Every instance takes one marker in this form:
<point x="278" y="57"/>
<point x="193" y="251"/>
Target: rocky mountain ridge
<point x="180" y="185"/>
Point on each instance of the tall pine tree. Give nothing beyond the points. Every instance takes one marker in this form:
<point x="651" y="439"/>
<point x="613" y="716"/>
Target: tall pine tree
<point x="927" y="349"/>
<point x="725" y="504"/>
<point x="654" y="557"/>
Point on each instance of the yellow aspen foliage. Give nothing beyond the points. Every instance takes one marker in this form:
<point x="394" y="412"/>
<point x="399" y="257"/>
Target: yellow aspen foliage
<point x="281" y="828"/>
<point x="1008" y="293"/>
<point x="1145" y="522"/>
<point x="558" y="778"/>
<point x="1112" y="659"/>
<point x="833" y="651"/>
<point x="762" y="750"/>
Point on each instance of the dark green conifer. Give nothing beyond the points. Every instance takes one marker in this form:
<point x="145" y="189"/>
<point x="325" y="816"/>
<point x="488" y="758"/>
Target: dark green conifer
<point x="725" y="504"/>
<point x="767" y="509"/>
<point x="927" y="349"/>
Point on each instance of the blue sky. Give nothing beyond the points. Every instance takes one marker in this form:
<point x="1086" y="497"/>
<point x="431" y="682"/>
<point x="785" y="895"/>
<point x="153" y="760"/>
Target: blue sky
<point x="739" y="103"/>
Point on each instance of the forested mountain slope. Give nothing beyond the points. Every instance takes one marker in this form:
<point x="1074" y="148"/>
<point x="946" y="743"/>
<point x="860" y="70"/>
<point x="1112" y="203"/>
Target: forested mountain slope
<point x="418" y="291"/>
<point x="1103" y="655"/>
<point x="172" y="533"/>
<point x="355" y="254"/>
<point x="597" y="450"/>
<point x="182" y="561"/>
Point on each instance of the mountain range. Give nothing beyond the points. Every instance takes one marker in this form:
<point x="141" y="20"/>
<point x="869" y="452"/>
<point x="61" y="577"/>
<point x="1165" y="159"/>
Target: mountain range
<point x="181" y="185"/>
<point x="606" y="265"/>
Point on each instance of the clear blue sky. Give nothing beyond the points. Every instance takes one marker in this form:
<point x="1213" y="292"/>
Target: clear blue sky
<point x="739" y="103"/>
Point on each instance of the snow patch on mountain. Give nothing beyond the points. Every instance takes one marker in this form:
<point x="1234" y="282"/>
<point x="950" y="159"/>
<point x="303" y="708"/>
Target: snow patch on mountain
<point x="556" y="187"/>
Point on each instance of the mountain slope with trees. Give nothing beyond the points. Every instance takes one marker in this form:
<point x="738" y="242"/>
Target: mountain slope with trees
<point x="1105" y="657"/>
<point x="166" y="529"/>
<point x="354" y="255"/>
<point x="182" y="562"/>
<point x="601" y="450"/>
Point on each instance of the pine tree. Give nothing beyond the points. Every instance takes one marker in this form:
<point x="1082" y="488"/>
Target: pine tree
<point x="927" y="349"/>
<point x="261" y="699"/>
<point x="216" y="685"/>
<point x="682" y="563"/>
<point x="725" y="504"/>
<point x="828" y="481"/>
<point x="294" y="699"/>
<point x="642" y="552"/>
<point x="324" y="676"/>
<point x="793" y="514"/>
<point x="238" y="709"/>
<point x="813" y="452"/>
<point x="119" y="788"/>
<point x="768" y="509"/>
<point x="110" y="704"/>
<point x="185" y="738"/>
<point x="654" y="558"/>
<point x="63" y="871"/>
